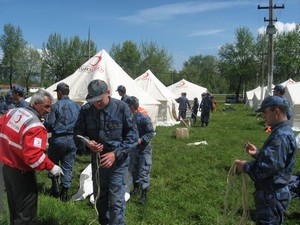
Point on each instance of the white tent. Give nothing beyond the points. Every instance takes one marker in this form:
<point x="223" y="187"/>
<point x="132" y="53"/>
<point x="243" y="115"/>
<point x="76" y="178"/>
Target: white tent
<point x="192" y="90"/>
<point x="250" y="95"/>
<point x="102" y="66"/>
<point x="292" y="93"/>
<point x="168" y="109"/>
<point x="258" y="97"/>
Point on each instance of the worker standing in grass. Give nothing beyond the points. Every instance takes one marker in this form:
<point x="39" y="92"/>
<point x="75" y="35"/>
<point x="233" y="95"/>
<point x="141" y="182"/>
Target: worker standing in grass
<point x="206" y="106"/>
<point x="23" y="140"/>
<point x="183" y="105"/>
<point x="195" y="108"/>
<point x="272" y="167"/>
<point x="109" y="125"/>
<point x="141" y="156"/>
<point x="62" y="150"/>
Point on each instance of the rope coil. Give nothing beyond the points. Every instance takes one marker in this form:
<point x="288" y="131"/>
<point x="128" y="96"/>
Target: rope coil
<point x="243" y="200"/>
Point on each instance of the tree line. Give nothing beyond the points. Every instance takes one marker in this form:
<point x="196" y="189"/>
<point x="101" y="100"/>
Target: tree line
<point x="240" y="65"/>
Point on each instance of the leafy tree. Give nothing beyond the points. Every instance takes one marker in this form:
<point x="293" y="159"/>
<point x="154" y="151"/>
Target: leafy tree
<point x="237" y="61"/>
<point x="127" y="56"/>
<point x="136" y="60"/>
<point x="202" y="70"/>
<point x="12" y="44"/>
<point x="30" y="66"/>
<point x="63" y="56"/>
<point x="287" y="55"/>
<point x="158" y="60"/>
<point x="261" y="56"/>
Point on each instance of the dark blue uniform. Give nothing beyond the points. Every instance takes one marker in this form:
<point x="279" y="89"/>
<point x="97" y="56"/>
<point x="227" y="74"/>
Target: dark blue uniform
<point x="206" y="107"/>
<point x="183" y="105"/>
<point x="114" y="127"/>
<point x="271" y="172"/>
<point x="141" y="156"/>
<point x="60" y="122"/>
<point x="22" y="103"/>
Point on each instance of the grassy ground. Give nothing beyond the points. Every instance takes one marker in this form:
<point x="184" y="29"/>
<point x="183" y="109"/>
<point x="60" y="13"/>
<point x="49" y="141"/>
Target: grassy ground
<point x="189" y="183"/>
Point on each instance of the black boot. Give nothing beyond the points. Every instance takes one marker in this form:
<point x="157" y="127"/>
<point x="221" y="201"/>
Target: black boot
<point x="55" y="187"/>
<point x="143" y="198"/>
<point x="64" y="194"/>
<point x="136" y="189"/>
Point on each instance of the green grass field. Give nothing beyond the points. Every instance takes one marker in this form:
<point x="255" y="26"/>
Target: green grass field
<point x="189" y="183"/>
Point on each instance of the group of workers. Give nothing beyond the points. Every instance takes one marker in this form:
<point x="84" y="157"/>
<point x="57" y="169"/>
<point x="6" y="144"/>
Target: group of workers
<point x="117" y="134"/>
<point x="119" y="137"/>
<point x="206" y="106"/>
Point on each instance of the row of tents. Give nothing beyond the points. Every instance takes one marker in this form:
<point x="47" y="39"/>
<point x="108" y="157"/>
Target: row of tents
<point x="157" y="99"/>
<point x="292" y="93"/>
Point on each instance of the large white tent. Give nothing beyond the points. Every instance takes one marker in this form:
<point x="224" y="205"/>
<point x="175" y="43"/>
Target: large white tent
<point x="255" y="96"/>
<point x="192" y="90"/>
<point x="292" y="93"/>
<point x="250" y="95"/>
<point x="168" y="109"/>
<point x="102" y="66"/>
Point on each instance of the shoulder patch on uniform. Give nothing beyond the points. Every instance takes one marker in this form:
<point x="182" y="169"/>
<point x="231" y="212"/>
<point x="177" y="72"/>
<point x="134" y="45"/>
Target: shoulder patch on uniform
<point x="20" y="117"/>
<point x="37" y="142"/>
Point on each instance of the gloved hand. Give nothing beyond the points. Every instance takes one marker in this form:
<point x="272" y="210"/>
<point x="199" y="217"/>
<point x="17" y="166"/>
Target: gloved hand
<point x="56" y="171"/>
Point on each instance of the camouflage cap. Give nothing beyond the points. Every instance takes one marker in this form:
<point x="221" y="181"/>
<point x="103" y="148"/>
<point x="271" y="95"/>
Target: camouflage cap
<point x="280" y="88"/>
<point x="121" y="88"/>
<point x="132" y="101"/>
<point x="272" y="101"/>
<point x="62" y="87"/>
<point x="18" y="88"/>
<point x="96" y="90"/>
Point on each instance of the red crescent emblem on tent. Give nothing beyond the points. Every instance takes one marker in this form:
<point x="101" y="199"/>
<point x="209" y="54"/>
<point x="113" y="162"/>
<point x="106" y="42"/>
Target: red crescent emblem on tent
<point x="98" y="60"/>
<point x="18" y="120"/>
<point x="182" y="83"/>
<point x="146" y="75"/>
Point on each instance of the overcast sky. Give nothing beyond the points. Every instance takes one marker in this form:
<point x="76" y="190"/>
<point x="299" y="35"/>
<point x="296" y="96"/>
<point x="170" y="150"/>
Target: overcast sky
<point x="183" y="28"/>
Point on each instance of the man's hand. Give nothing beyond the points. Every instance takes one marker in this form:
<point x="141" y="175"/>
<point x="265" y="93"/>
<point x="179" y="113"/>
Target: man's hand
<point x="239" y="165"/>
<point x="250" y="149"/>
<point x="56" y="171"/>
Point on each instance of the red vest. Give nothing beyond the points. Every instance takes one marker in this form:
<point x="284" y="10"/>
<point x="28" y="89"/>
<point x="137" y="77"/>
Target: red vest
<point x="23" y="140"/>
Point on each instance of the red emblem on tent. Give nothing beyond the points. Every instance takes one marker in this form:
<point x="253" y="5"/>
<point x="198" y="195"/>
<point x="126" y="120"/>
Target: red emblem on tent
<point x="98" y="58"/>
<point x="146" y="76"/>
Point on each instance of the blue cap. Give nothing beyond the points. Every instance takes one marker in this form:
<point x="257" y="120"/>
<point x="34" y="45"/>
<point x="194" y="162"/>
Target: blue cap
<point x="18" y="88"/>
<point x="96" y="90"/>
<point x="272" y="101"/>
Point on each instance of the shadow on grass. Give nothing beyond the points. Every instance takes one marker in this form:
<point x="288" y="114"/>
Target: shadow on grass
<point x="293" y="216"/>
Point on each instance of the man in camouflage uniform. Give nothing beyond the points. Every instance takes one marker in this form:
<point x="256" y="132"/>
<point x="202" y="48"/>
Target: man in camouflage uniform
<point x="60" y="123"/>
<point x="141" y="156"/>
<point x="183" y="105"/>
<point x="18" y="96"/>
<point x="109" y="125"/>
<point x="206" y="106"/>
<point x="272" y="167"/>
<point x="122" y="92"/>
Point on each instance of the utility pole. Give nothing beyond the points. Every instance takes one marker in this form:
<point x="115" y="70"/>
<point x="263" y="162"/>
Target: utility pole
<point x="271" y="30"/>
<point x="89" y="45"/>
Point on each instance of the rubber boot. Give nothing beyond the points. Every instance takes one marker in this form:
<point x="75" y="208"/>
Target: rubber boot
<point x="55" y="187"/>
<point x="64" y="194"/>
<point x="143" y="198"/>
<point x="136" y="189"/>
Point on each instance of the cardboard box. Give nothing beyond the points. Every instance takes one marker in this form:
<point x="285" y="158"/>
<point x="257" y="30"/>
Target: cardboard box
<point x="182" y="133"/>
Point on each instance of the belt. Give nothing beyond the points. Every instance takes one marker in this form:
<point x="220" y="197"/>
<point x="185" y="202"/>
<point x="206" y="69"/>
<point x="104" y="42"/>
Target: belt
<point x="268" y="186"/>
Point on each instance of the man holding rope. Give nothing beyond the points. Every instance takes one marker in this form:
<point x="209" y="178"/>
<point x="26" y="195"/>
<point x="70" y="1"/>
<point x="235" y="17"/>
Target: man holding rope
<point x="272" y="166"/>
<point x="109" y="125"/>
